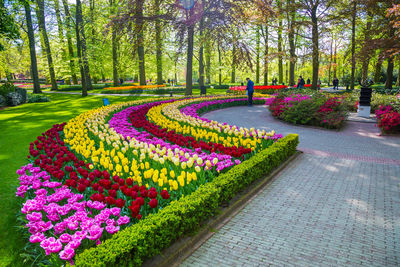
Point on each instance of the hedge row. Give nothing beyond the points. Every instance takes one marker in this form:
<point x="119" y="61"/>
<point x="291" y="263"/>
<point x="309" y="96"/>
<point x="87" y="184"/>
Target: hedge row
<point x="147" y="238"/>
<point x="78" y="87"/>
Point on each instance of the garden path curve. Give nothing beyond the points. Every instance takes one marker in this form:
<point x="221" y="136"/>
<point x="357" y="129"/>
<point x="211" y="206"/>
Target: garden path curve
<point x="337" y="204"/>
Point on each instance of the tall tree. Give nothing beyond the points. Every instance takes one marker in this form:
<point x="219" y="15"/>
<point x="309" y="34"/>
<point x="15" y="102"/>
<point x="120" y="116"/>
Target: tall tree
<point x="201" y="57"/>
<point x="158" y="44"/>
<point x="42" y="26"/>
<point x="316" y="11"/>
<point x="291" y="18"/>
<point x="140" y="41"/>
<point x="266" y="53"/>
<point x="258" y="54"/>
<point x="69" y="32"/>
<point x="82" y="52"/>
<point x="114" y="45"/>
<point x="353" y="44"/>
<point x="280" y="55"/>
<point x="31" y="38"/>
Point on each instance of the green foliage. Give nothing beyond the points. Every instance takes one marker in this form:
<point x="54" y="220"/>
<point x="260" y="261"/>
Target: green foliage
<point x="7" y="88"/>
<point x="23" y="93"/>
<point x="133" y="245"/>
<point x="159" y="91"/>
<point x="37" y="98"/>
<point x="303" y="112"/>
<point x="68" y="88"/>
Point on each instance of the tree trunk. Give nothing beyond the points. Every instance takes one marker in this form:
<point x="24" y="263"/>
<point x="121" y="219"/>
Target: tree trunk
<point x="114" y="57"/>
<point x="315" y="50"/>
<point x="60" y="28"/>
<point x="266" y="56"/>
<point x="189" y="62"/>
<point x="378" y="70"/>
<point x="366" y="60"/>
<point x="208" y="61"/>
<point x="335" y="61"/>
<point x="92" y="4"/>
<point x="258" y="55"/>
<point x="42" y="26"/>
<point x="219" y="65"/>
<point x="82" y="53"/>
<point x="292" y="47"/>
<point x="389" y="80"/>
<point x="31" y="38"/>
<point x="280" y="57"/>
<point x="140" y="41"/>
<point x="114" y="49"/>
<point x="233" y="74"/>
<point x="159" y="45"/>
<point x="201" y="58"/>
<point x="398" y="74"/>
<point x="353" y="45"/>
<point x="69" y="42"/>
<point x="330" y="63"/>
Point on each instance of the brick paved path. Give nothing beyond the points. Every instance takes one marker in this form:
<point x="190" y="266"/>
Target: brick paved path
<point x="338" y="204"/>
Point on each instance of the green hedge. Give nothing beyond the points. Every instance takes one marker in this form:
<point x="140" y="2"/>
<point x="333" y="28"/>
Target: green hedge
<point x="141" y="91"/>
<point x="78" y="87"/>
<point x="147" y="238"/>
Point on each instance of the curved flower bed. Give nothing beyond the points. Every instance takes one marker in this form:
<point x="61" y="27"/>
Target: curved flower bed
<point x="113" y="166"/>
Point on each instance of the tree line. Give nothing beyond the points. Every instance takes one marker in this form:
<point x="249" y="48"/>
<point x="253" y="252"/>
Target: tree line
<point x="204" y="41"/>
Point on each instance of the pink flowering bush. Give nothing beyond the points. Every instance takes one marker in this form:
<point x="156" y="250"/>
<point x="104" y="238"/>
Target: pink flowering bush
<point x="388" y="119"/>
<point x="60" y="221"/>
<point x="318" y="110"/>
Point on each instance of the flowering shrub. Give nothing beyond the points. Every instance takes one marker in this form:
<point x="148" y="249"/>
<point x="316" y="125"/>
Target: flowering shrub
<point x="113" y="166"/>
<point x="319" y="110"/>
<point x="388" y="119"/>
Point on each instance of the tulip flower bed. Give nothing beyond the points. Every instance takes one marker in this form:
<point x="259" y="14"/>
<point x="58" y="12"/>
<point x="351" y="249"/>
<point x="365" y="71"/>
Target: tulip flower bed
<point x="317" y="109"/>
<point x="124" y="165"/>
<point x="388" y="119"/>
<point x="263" y="89"/>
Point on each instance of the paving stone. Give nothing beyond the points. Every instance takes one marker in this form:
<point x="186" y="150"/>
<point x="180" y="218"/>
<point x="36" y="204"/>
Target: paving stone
<point x="338" y="204"/>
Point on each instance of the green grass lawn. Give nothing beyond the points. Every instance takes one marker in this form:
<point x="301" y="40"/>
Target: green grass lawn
<point x="18" y="127"/>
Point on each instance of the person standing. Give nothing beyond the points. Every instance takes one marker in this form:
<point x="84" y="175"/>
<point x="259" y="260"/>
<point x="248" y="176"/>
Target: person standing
<point x="308" y="81"/>
<point x="301" y="83"/>
<point x="250" y="91"/>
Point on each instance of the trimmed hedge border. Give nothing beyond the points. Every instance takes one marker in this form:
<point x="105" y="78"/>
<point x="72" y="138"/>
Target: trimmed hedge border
<point x="147" y="238"/>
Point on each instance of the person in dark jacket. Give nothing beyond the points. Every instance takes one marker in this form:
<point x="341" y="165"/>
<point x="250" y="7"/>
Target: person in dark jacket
<point x="250" y="91"/>
<point x="308" y="81"/>
<point x="301" y="83"/>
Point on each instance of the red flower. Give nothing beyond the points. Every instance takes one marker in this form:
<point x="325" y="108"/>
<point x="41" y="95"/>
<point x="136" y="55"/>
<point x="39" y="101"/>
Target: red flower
<point x="120" y="202"/>
<point x="153" y="203"/>
<point x="165" y="194"/>
<point x="152" y="194"/>
<point x="139" y="216"/>
<point x="129" y="181"/>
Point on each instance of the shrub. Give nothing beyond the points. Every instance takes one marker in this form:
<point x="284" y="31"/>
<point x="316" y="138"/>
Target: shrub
<point x="388" y="118"/>
<point x="36" y="98"/>
<point x="78" y="87"/>
<point x="148" y="237"/>
<point x="316" y="109"/>
<point x="14" y="99"/>
<point x="7" y="88"/>
<point x="2" y="101"/>
<point x="23" y="94"/>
